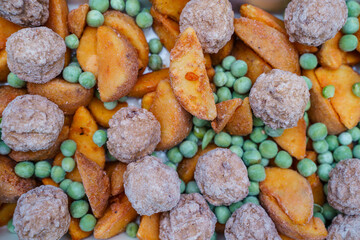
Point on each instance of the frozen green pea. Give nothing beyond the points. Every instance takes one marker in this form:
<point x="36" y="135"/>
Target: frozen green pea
<point x="216" y="98"/>
<point x="64" y="185"/>
<point x="222" y="139"/>
<point x="144" y="19"/>
<point x="249" y="145"/>
<point x="222" y="214"/>
<point x="328" y="91"/>
<point x="182" y="186"/>
<point x="237" y="150"/>
<point x="172" y="165"/>
<point x="87" y="80"/>
<point x="227" y="62"/>
<point x="14" y="81"/>
<point x="241" y="96"/>
<point x="353" y="8"/>
<point x="10" y="226"/>
<point x="68" y="148"/>
<point x="100" y="137"/>
<point x="348" y="43"/>
<point x="219" y="68"/>
<point x="254" y="189"/>
<point x="324" y="171"/>
<point x="251" y="199"/>
<point x="224" y="94"/>
<point x="100" y="5"/>
<point x="71" y="74"/>
<point x="192" y="187"/>
<point x="319" y="215"/>
<point x="118" y="5"/>
<point x="306" y="167"/>
<point x="242" y="85"/>
<point x="283" y="159"/>
<point x="87" y="223"/>
<point x="308" y="105"/>
<point x="123" y="99"/>
<point x="76" y="190"/>
<point x="356" y="89"/>
<point x="345" y="138"/>
<point x="239" y="68"/>
<point x="220" y="79"/>
<point x="320" y="146"/>
<point x="192" y="137"/>
<point x="230" y="80"/>
<point x="25" y="169"/>
<point x="308" y="82"/>
<point x="325" y="188"/>
<point x="155" y="62"/>
<point x="132" y="7"/>
<point x="332" y="141"/>
<point x="233" y="207"/>
<point x="94" y="18"/>
<point x="258" y="135"/>
<point x="356" y="151"/>
<point x="72" y="41"/>
<point x="57" y="174"/>
<point x="342" y="153"/>
<point x="256" y="173"/>
<point x="68" y="164"/>
<point x="208" y="137"/>
<point x="79" y="208"/>
<point x="155" y="46"/>
<point x="308" y="61"/>
<point x="4" y="149"/>
<point x="273" y="132"/>
<point x="351" y="25"/>
<point x="265" y="162"/>
<point x="174" y="155"/>
<point x="325" y="157"/>
<point x="188" y="148"/>
<point x="110" y="105"/>
<point x="268" y="149"/>
<point x="42" y="169"/>
<point x="251" y="157"/>
<point x="317" y="131"/>
<point x="132" y="229"/>
<point x="237" y="141"/>
<point x="257" y="122"/>
<point x="355" y="133"/>
<point x="199" y="122"/>
<point x="306" y="119"/>
<point x="214" y="236"/>
<point x="329" y="212"/>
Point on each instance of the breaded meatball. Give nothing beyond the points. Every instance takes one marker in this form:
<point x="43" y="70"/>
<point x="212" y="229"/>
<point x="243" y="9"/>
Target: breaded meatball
<point x="11" y="185"/>
<point x="191" y="219"/>
<point x="213" y="21"/>
<point x="26" y="13"/>
<point x="344" y="187"/>
<point x="151" y="186"/>
<point x="31" y="123"/>
<point x="313" y="22"/>
<point x="133" y="134"/>
<point x="222" y="177"/>
<point x="279" y="98"/>
<point x="250" y="221"/>
<point x="42" y="214"/>
<point x="35" y="55"/>
<point x="344" y="228"/>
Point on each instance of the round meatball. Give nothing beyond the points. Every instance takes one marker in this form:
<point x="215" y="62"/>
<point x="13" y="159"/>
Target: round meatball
<point x="31" y="123"/>
<point x="344" y="187"/>
<point x="190" y="219"/>
<point x="344" y="228"/>
<point x="222" y="177"/>
<point x="212" y="20"/>
<point x="151" y="186"/>
<point x="250" y="221"/>
<point x="313" y="22"/>
<point x="279" y="98"/>
<point x="26" y="13"/>
<point x="35" y="55"/>
<point x="42" y="213"/>
<point x="133" y="134"/>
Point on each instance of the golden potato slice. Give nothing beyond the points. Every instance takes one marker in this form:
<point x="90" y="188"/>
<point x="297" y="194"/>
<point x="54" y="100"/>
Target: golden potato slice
<point x="127" y="27"/>
<point x="7" y="94"/>
<point x="301" y="48"/>
<point x="147" y="100"/>
<point x="4" y="70"/>
<point x="49" y="181"/>
<point x="345" y="103"/>
<point x="68" y="96"/>
<point x="241" y="122"/>
<point x="321" y="109"/>
<point x="188" y="76"/>
<point x="171" y="8"/>
<point x="317" y="189"/>
<point x="208" y="66"/>
<point x="291" y="191"/>
<point x="86" y="53"/>
<point x="117" y="179"/>
<point x="273" y="46"/>
<point x="77" y="19"/>
<point x="225" y="111"/>
<point x="58" y="14"/>
<point x="217" y="58"/>
<point x="149" y="227"/>
<point x="7" y="28"/>
<point x="330" y="55"/>
<point x="175" y="122"/>
<point x="117" y="72"/>
<point x="75" y="231"/>
<point x="351" y="58"/>
<point x="6" y="213"/>
<point x="74" y="175"/>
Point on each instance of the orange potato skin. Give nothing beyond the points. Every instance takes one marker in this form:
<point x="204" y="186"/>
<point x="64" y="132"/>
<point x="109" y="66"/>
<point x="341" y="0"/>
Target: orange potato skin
<point x="6" y="212"/>
<point x="75" y="231"/>
<point x="7" y="28"/>
<point x="225" y="111"/>
<point x="171" y="8"/>
<point x="217" y="58"/>
<point x="241" y="122"/>
<point x="147" y="100"/>
<point x="86" y="53"/>
<point x="149" y="227"/>
<point x="74" y="175"/>
<point x="4" y="69"/>
<point x="117" y="179"/>
<point x="49" y="181"/>
<point x="77" y="19"/>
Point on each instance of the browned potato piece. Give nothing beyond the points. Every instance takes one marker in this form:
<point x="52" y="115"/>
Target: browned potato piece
<point x="149" y="227"/>
<point x="7" y="28"/>
<point x="68" y="96"/>
<point x="74" y="175"/>
<point x="4" y="70"/>
<point x="225" y="111"/>
<point x="208" y="65"/>
<point x="241" y="122"/>
<point x="330" y="55"/>
<point x="216" y="58"/>
<point x="147" y="100"/>
<point x="6" y="212"/>
<point x="77" y="19"/>
<point x="171" y="8"/>
<point x="7" y="94"/>
<point x="175" y="122"/>
<point x="86" y="53"/>
<point x="117" y="179"/>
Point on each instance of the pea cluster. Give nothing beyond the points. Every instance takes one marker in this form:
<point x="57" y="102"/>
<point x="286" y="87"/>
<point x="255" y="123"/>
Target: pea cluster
<point x="4" y="149"/>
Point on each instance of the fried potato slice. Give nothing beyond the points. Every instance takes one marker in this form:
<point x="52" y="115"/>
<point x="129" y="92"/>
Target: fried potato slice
<point x="6" y="212"/>
<point x="171" y="8"/>
<point x="117" y="72"/>
<point x="273" y="46"/>
<point x="330" y="55"/>
<point x="117" y="216"/>
<point x="345" y="103"/>
<point x="96" y="184"/>
<point x="75" y="231"/>
<point x="7" y="94"/>
<point x="117" y="179"/>
<point x="175" y="122"/>
<point x="317" y="189"/>
<point x="321" y="109"/>
<point x="82" y="129"/>
<point x="149" y="227"/>
<point x="351" y="58"/>
<point x="256" y="65"/>
<point x="148" y="82"/>
<point x="7" y="28"/>
<point x="293" y="140"/>
<point x="241" y="122"/>
<point x="74" y="175"/>
<point x="225" y="111"/>
<point x="86" y="53"/>
<point x="49" y="181"/>
<point x="188" y="76"/>
<point x="217" y="58"/>
<point x="167" y="29"/>
<point x="77" y="19"/>
<point x="147" y="100"/>
<point x="4" y="69"/>
<point x="208" y="66"/>
<point x="301" y="48"/>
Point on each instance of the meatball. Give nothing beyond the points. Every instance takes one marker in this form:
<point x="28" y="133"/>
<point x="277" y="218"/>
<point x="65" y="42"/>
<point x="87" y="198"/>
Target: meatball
<point x="222" y="177"/>
<point x="35" y="55"/>
<point x="344" y="187"/>
<point x="279" y="98"/>
<point x="31" y="123"/>
<point x="42" y="213"/>
<point x="151" y="186"/>
<point x="313" y="22"/>
<point x="213" y="21"/>
<point x="344" y="228"/>
<point x="250" y="222"/>
<point x="133" y="134"/>
<point x="26" y="13"/>
<point x="11" y="185"/>
<point x="190" y="219"/>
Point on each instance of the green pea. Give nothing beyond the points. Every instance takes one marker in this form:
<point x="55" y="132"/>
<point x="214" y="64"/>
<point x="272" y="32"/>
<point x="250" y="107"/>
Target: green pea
<point x="97" y="94"/>
<point x="333" y="142"/>
<point x="10" y="226"/>
<point x="325" y="188"/>
<point x="319" y="215"/>
<point x="227" y="62"/>
<point x="192" y="187"/>
<point x="224" y="94"/>
<point x="239" y="68"/>
<point x="328" y="91"/>
<point x="317" y="131"/>
<point x="144" y="19"/>
<point x="182" y="186"/>
<point x="25" y="169"/>
<point x="110" y="105"/>
<point x="87" y="80"/>
<point x="94" y="18"/>
<point x="216" y="98"/>
<point x="174" y="155"/>
<point x="354" y="8"/>
<point x="241" y="96"/>
<point x="283" y="160"/>
<point x="57" y="174"/>
<point x="320" y="146"/>
<point x="199" y="122"/>
<point x="155" y="62"/>
<point x="100" y="137"/>
<point x="351" y="26"/>
<point x="249" y="145"/>
<point x="251" y="199"/>
<point x="342" y="153"/>
<point x="306" y="119"/>
<point x="325" y="157"/>
<point x="329" y="212"/>
<point x="155" y="46"/>
<point x="118" y="5"/>
<point x="188" y="149"/>
<point x="345" y="138"/>
<point x="4" y="149"/>
<point x="222" y="139"/>
<point x="219" y="68"/>
<point x="212" y="207"/>
<point x="356" y="89"/>
<point x="265" y="162"/>
<point x="242" y="85"/>
<point x="254" y="189"/>
<point x="208" y="137"/>
<point x="306" y="167"/>
<point x="308" y="61"/>
<point x="100" y="5"/>
<point x="14" y="81"/>
<point x="230" y="80"/>
<point x="123" y="99"/>
<point x="87" y="223"/>
<point x="71" y="74"/>
<point x="76" y="64"/>
<point x="237" y="141"/>
<point x="317" y="208"/>
<point x="324" y="171"/>
<point x="199" y="132"/>
<point x="348" y="43"/>
<point x="222" y="214"/>
<point x="355" y="133"/>
<point x="237" y="150"/>
<point x="68" y="148"/>
<point x="64" y="185"/>
<point x="110" y="157"/>
<point x="256" y="173"/>
<point x="273" y="132"/>
<point x="258" y="135"/>
<point x="42" y="169"/>
<point x="268" y="149"/>
<point x="308" y="105"/>
<point x="308" y="82"/>
<point x="257" y="122"/>
<point x="76" y="190"/>
<point x="192" y="137"/>
<point x="172" y="165"/>
<point x="220" y="79"/>
<point x="68" y="164"/>
<point x="356" y="151"/>
<point x="72" y="41"/>
<point x="132" y="7"/>
<point x="214" y="236"/>
<point x="235" y="206"/>
<point x="79" y="208"/>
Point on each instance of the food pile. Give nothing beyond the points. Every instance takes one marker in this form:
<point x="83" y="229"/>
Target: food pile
<point x="252" y="132"/>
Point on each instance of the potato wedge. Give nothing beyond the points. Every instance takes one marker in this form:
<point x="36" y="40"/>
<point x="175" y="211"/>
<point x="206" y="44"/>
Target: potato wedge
<point x="241" y="122"/>
<point x="225" y="111"/>
<point x="208" y="66"/>
<point x="77" y="19"/>
<point x="86" y="53"/>
<point x="6" y="213"/>
<point x="291" y="191"/>
<point x="188" y="76"/>
<point x="149" y="227"/>
<point x="68" y="96"/>
<point x="171" y="8"/>
<point x="148" y="82"/>
<point x="7" y="94"/>
<point x="217" y="58"/>
<point x="317" y="189"/>
<point x="117" y="216"/>
<point x="117" y="179"/>
<point x="293" y="140"/>
<point x="127" y="27"/>
<point x="167" y="29"/>
<point x="117" y="72"/>
<point x="273" y="46"/>
<point x="7" y="28"/>
<point x="256" y="65"/>
<point x="147" y="100"/>
<point x="301" y="48"/>
<point x="101" y="114"/>
<point x="82" y="129"/>
<point x="330" y="55"/>
<point x="345" y="103"/>
<point x="96" y="184"/>
<point x="75" y="231"/>
<point x="175" y="123"/>
<point x="4" y="70"/>
<point x="351" y="58"/>
<point x="74" y="175"/>
<point x="49" y="181"/>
